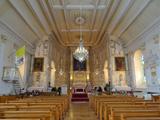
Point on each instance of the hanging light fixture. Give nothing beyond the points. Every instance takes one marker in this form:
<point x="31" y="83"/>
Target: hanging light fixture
<point x="81" y="53"/>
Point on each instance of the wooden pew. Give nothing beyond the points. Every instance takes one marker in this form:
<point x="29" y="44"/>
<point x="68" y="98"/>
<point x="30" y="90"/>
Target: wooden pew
<point x="20" y="119"/>
<point x="109" y="106"/>
<point x="44" y="115"/>
<point x="4" y="99"/>
<point x="55" y="105"/>
<point x="118" y="114"/>
<point x="101" y="104"/>
<point x="141" y="116"/>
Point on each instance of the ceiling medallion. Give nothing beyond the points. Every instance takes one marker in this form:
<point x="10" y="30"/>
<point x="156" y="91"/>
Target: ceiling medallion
<point x="80" y="20"/>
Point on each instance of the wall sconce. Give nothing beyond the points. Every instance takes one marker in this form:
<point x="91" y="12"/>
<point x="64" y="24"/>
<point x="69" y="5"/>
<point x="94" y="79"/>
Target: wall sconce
<point x="87" y="76"/>
<point x="71" y="77"/>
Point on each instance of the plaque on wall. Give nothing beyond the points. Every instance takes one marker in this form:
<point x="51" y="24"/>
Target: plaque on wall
<point x="79" y="66"/>
<point x="38" y="64"/>
<point x="120" y="63"/>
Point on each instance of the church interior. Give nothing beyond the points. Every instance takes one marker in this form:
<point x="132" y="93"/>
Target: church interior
<point x="79" y="59"/>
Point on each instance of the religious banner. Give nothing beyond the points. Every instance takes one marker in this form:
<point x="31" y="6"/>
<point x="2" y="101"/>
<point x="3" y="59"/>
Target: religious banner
<point x="20" y="55"/>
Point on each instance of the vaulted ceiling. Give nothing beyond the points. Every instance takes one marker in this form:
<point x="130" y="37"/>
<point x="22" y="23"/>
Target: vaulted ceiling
<point x="124" y="20"/>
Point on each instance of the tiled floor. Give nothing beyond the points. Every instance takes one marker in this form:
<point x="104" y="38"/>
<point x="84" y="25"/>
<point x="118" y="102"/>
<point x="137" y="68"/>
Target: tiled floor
<point x="80" y="111"/>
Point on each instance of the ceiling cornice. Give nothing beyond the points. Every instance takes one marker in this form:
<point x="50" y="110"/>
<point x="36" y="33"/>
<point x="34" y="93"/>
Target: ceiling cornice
<point x="111" y="12"/>
<point x="48" y="14"/>
<point x="126" y="6"/>
<point x="131" y="20"/>
<point x="14" y="35"/>
<point x="93" y="20"/>
<point x="66" y="18"/>
<point x="39" y="13"/>
<point x="145" y="32"/>
<point x="50" y="4"/>
<point x="27" y="16"/>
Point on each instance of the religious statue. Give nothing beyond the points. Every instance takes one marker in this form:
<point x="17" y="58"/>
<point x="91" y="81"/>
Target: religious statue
<point x="121" y="81"/>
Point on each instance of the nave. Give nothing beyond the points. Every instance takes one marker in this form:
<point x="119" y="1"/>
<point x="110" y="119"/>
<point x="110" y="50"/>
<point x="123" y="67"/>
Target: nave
<point x="80" y="111"/>
<point x="79" y="59"/>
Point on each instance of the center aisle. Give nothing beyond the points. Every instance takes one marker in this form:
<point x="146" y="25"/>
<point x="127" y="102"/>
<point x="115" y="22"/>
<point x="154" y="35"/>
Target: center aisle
<point x="80" y="111"/>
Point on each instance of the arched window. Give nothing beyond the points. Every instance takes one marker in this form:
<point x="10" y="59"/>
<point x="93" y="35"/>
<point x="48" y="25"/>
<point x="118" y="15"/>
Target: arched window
<point x="140" y="79"/>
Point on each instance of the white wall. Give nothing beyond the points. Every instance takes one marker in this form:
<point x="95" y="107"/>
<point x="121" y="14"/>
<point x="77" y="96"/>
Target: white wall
<point x="7" y="56"/>
<point x="149" y="43"/>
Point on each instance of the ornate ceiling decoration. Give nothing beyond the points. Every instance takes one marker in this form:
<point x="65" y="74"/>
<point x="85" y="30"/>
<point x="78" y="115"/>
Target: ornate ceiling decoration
<point x="80" y="20"/>
<point x="126" y="20"/>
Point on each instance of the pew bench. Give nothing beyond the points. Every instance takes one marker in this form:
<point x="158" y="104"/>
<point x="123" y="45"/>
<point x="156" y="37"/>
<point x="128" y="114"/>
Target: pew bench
<point x="21" y="119"/>
<point x="118" y="114"/>
<point x="57" y="112"/>
<point x="44" y="115"/>
<point x="143" y="118"/>
<point x="109" y="108"/>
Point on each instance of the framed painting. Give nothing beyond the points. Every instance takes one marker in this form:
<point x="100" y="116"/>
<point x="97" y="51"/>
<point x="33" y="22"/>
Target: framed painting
<point x="38" y="64"/>
<point x="79" y="66"/>
<point x="120" y="63"/>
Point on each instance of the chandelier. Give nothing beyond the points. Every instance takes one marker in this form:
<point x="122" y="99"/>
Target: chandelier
<point x="81" y="53"/>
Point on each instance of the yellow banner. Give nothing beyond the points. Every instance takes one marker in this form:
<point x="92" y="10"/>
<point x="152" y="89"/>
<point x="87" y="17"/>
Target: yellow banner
<point x="21" y="52"/>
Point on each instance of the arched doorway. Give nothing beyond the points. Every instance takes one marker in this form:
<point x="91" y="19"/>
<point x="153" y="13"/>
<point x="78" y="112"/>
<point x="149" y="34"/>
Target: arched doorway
<point x="140" y="79"/>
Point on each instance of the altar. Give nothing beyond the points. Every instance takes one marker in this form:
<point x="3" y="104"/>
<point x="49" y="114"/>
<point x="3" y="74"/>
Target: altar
<point x="79" y="90"/>
<point x="79" y="95"/>
<point x="79" y="72"/>
<point x="121" y="88"/>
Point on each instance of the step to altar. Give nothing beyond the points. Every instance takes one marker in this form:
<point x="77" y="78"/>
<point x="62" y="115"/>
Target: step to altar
<point x="80" y="97"/>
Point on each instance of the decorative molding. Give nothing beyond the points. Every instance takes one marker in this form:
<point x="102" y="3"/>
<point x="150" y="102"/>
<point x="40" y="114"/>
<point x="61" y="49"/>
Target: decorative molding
<point x="86" y="7"/>
<point x="78" y="30"/>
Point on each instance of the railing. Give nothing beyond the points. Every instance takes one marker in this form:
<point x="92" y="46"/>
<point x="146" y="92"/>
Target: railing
<point x="11" y="74"/>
